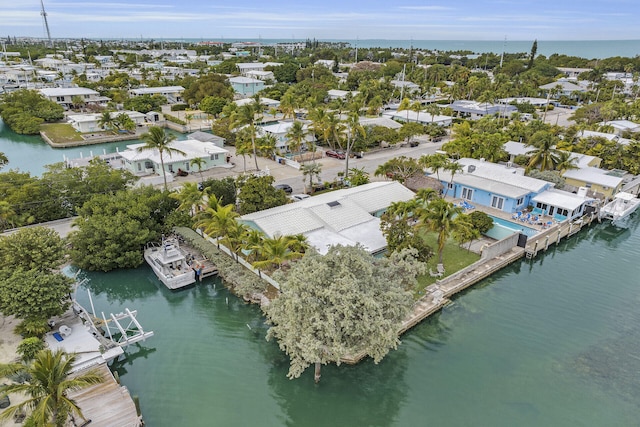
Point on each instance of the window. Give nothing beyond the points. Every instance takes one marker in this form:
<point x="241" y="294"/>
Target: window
<point x="520" y="201"/>
<point x="60" y="98"/>
<point x="139" y="167"/>
<point x="214" y="157"/>
<point x="450" y="186"/>
<point x="588" y="185"/>
<point x="467" y="193"/>
<point x="497" y="202"/>
<point x="87" y="97"/>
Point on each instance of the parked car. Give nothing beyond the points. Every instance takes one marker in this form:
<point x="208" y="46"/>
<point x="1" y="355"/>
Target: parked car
<point x="336" y="154"/>
<point x="298" y="197"/>
<point x="284" y="187"/>
<point x="414" y="143"/>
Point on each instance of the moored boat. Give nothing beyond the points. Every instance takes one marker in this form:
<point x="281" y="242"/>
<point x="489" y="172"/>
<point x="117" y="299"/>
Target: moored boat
<point x="170" y="264"/>
<point x="622" y="205"/>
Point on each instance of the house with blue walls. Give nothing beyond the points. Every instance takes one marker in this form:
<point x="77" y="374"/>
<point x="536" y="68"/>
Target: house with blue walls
<point x="501" y="187"/>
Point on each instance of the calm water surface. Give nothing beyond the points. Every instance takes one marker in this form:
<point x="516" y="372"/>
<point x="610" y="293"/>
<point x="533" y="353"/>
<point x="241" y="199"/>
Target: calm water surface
<point x="553" y="341"/>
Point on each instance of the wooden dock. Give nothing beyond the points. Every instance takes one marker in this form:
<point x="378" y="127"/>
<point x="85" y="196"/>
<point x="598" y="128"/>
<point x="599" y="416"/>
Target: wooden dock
<point x="546" y="238"/>
<point x="107" y="404"/>
<point x="208" y="268"/>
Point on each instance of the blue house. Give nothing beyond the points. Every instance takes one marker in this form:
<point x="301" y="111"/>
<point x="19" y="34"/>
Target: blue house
<point x="246" y="86"/>
<point x="488" y="184"/>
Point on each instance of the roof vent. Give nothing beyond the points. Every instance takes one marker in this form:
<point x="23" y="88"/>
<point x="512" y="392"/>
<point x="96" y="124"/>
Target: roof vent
<point x="471" y="168"/>
<point x="333" y="204"/>
<point x="509" y="165"/>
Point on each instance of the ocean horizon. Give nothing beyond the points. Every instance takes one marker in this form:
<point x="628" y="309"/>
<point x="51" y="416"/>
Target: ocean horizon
<point x="589" y="49"/>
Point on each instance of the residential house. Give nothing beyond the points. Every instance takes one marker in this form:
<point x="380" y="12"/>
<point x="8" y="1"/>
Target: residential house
<point x="260" y="75"/>
<point x="561" y="205"/>
<point x="246" y="86"/>
<point x="406" y="86"/>
<point x="279" y="130"/>
<point x="347" y="217"/>
<point x="476" y="110"/>
<point x="207" y="137"/>
<point x="515" y="149"/>
<point x="87" y="123"/>
<point x="341" y="94"/>
<point x="418" y="117"/>
<point x="245" y="67"/>
<point x="266" y="102"/>
<point x="328" y="63"/>
<point x="608" y="136"/>
<point x="64" y="96"/>
<point x="172" y="93"/>
<point x="573" y="73"/>
<point x="601" y="183"/>
<point x="147" y="161"/>
<point x="489" y="184"/>
<point x="622" y="126"/>
<point x="563" y="88"/>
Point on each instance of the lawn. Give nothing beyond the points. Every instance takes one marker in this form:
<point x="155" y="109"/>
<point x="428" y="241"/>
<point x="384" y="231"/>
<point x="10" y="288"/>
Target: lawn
<point x="61" y="133"/>
<point x="454" y="259"/>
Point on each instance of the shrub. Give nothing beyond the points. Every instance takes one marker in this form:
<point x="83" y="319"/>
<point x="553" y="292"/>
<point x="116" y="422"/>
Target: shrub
<point x="179" y="107"/>
<point x="175" y="120"/>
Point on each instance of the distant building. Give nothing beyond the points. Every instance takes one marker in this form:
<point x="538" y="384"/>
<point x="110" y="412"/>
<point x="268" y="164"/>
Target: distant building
<point x="172" y="93"/>
<point x="476" y="110"/>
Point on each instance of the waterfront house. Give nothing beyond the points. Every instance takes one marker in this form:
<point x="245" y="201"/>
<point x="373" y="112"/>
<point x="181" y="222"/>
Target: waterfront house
<point x="147" y="162"/>
<point x="601" y="183"/>
<point x="279" y="130"/>
<point x="87" y="123"/>
<point x="64" y="96"/>
<point x="561" y="205"/>
<point x="246" y="86"/>
<point x="349" y="216"/>
<point x="172" y="93"/>
<point x="489" y="184"/>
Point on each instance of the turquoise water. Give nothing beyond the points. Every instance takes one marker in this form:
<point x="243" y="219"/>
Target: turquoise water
<point x="29" y="153"/>
<point x="547" y="342"/>
<point x="503" y="228"/>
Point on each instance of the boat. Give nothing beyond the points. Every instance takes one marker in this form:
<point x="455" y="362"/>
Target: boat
<point x="617" y="210"/>
<point x="170" y="264"/>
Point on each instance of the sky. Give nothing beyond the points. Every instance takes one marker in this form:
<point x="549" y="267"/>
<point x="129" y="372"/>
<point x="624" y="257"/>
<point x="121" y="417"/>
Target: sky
<point x="325" y="19"/>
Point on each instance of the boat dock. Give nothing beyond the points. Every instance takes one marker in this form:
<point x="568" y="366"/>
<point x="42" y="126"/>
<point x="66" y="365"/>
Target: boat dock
<point x="206" y="266"/>
<point x="106" y="404"/>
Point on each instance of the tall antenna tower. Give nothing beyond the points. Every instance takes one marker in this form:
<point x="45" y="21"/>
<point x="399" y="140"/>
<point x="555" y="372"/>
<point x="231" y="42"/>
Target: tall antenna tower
<point x="46" y="24"/>
<point x="504" y="46"/>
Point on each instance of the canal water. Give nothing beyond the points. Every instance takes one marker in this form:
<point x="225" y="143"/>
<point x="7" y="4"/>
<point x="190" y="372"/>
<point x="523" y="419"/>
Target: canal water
<point x="550" y="341"/>
<point x="29" y="153"/>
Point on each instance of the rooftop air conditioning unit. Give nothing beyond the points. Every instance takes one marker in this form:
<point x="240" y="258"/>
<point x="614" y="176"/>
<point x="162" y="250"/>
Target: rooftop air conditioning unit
<point x="509" y="165"/>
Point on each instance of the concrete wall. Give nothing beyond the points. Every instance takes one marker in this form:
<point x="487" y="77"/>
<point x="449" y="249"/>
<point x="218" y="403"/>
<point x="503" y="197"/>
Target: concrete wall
<point x="500" y="247"/>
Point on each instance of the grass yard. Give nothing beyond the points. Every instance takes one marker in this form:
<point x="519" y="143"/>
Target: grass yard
<point x="454" y="258"/>
<point x="61" y="133"/>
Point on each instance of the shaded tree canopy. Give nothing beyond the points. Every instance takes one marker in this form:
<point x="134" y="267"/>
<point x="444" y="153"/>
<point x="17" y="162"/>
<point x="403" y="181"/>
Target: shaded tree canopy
<point x="343" y="303"/>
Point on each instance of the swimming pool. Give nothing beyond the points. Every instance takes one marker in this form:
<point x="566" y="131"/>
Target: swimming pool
<point x="503" y="228"/>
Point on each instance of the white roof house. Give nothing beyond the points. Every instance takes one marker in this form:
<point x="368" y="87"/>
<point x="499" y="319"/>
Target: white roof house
<point x="280" y="130"/>
<point x="561" y="204"/>
<point x="148" y="162"/>
<point x="519" y="149"/>
<point x="419" y="117"/>
<point x="85" y="123"/>
<point x="244" y="67"/>
<point x="64" y="96"/>
<point x="341" y="94"/>
<point x="261" y="75"/>
<point x="172" y="93"/>
<point x="348" y="217"/>
<point x="620" y="126"/>
<point x="597" y="176"/>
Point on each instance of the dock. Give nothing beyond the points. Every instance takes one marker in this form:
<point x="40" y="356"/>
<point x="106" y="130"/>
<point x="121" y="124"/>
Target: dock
<point x="106" y="404"/>
<point x="208" y="268"/>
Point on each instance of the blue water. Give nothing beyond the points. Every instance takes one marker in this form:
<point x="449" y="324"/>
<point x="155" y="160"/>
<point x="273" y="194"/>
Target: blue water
<point x="503" y="228"/>
<point x="590" y="49"/>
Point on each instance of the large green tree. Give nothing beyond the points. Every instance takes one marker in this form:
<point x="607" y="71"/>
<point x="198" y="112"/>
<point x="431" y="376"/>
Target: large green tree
<point x="257" y="193"/>
<point x="113" y="229"/>
<point x="47" y="389"/>
<point x="344" y="303"/>
<point x="32" y="248"/>
<point x="25" y="110"/>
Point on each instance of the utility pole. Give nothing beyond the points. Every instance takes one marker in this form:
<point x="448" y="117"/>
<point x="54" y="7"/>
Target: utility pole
<point x="504" y="46"/>
<point x="46" y="24"/>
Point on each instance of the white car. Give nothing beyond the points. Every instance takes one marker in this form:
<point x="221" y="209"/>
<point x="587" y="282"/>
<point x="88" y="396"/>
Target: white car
<point x="298" y="197"/>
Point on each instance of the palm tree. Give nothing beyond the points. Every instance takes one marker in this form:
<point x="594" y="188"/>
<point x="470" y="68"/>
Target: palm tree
<point x="296" y="135"/>
<point x="245" y="115"/>
<point x="435" y="162"/>
<point x="354" y="128"/>
<point x="310" y="170"/>
<point x="234" y="234"/>
<point x="544" y="155"/>
<point x="252" y="242"/>
<point x="405" y="105"/>
<point x="47" y="389"/>
<point x="190" y="197"/>
<point x="199" y="162"/>
<point x="216" y="221"/>
<point x="107" y="121"/>
<point x="565" y="161"/>
<point x="453" y="168"/>
<point x="157" y="139"/>
<point x="276" y="251"/>
<point x="438" y="217"/>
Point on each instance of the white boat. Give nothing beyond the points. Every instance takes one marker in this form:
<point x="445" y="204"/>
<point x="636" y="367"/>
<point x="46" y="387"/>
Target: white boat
<point x="622" y="205"/>
<point x="170" y="264"/>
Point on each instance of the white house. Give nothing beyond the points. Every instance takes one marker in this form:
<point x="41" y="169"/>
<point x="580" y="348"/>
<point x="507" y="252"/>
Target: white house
<point x="260" y="75"/>
<point x="245" y="67"/>
<point x="64" y="96"/>
<point x="279" y="131"/>
<point x="341" y="94"/>
<point x="347" y="217"/>
<point x="622" y="126"/>
<point x="329" y="63"/>
<point x="86" y="123"/>
<point x="267" y="102"/>
<point x="147" y="162"/>
<point x="418" y="117"/>
<point x="172" y="93"/>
